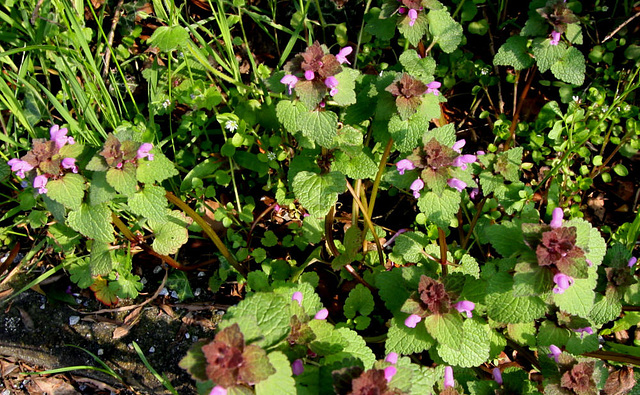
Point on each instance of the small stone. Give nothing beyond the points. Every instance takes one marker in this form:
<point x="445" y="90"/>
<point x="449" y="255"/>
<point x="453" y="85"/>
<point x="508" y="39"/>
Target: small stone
<point x="174" y="294"/>
<point x="194" y="338"/>
<point x="74" y="319"/>
<point x="164" y="292"/>
<point x="187" y="335"/>
<point x="152" y="349"/>
<point x="143" y="281"/>
<point x="100" y="351"/>
<point x="197" y="292"/>
<point x="201" y="274"/>
<point x="157" y="269"/>
<point x="42" y="306"/>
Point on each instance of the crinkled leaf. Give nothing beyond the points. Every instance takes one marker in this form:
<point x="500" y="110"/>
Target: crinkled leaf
<point x="195" y="362"/>
<point x="156" y="170"/>
<point x="590" y="240"/>
<point x="169" y="38"/>
<point x="514" y="53"/>
<point x="409" y="247"/>
<point x="404" y="340"/>
<point x="467" y="265"/>
<point x="318" y="193"/>
<point x="577" y="345"/>
<point x="351" y="344"/>
<point x="319" y="126"/>
<point x="578" y="299"/>
<point x="549" y="333"/>
<point x="571" y="67"/>
<point x="289" y="112"/>
<point x="100" y="191"/>
<point x="101" y="258"/>
<point x="397" y="285"/>
<point x="605" y="309"/>
<point x="346" y="84"/>
<point x="405" y="137"/>
<point x="280" y="382"/>
<point x="170" y="233"/>
<point x="413" y="33"/>
<point x="473" y="350"/>
<point x="506" y="238"/>
<point x="508" y="164"/>
<point x="445" y="30"/>
<point x="531" y="280"/>
<point x="93" y="221"/>
<point x="523" y="333"/>
<point x="546" y="54"/>
<point x="440" y="209"/>
<point x="150" y="203"/>
<point x="430" y="106"/>
<point x="504" y="307"/>
<point x="421" y="68"/>
<point x="256" y="366"/>
<point x="574" y="33"/>
<point x="445" y="328"/>
<point x="123" y="180"/>
<point x="358" y="166"/>
<point x="359" y="301"/>
<point x="68" y="190"/>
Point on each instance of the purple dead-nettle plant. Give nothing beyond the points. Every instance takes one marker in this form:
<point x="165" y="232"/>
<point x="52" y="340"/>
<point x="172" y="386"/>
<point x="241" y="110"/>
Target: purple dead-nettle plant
<point x="431" y="298"/>
<point x="408" y="92"/>
<point x="410" y="10"/>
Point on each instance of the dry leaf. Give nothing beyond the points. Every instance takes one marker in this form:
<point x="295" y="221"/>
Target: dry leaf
<point x="129" y="322"/>
<point x="53" y="385"/>
<point x="26" y="320"/>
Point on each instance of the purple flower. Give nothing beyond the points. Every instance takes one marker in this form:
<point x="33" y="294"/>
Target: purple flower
<point x="392" y="357"/>
<point x="40" y="183"/>
<point x="143" y="151"/>
<point x="589" y="263"/>
<point x="19" y="166"/>
<point x="465" y="306"/>
<point x="497" y="376"/>
<point x="412" y="320"/>
<point x="60" y="136"/>
<point x="555" y="38"/>
<point x="448" y="377"/>
<point x="562" y="283"/>
<point x="582" y="331"/>
<point x="402" y="10"/>
<point x="322" y="314"/>
<point x="474" y="193"/>
<point x="631" y="263"/>
<point x="555" y="352"/>
<point x="416" y="187"/>
<point x="309" y="75"/>
<point x="413" y="15"/>
<point x="297" y="367"/>
<point x="556" y="218"/>
<point x="389" y="372"/>
<point x="289" y="80"/>
<point x="332" y="83"/>
<point x="297" y="296"/>
<point x="403" y="165"/>
<point x="463" y="160"/>
<point x="432" y="87"/>
<point x="458" y="145"/>
<point x="342" y="55"/>
<point x="218" y="390"/>
<point x="70" y="163"/>
<point x="398" y="233"/>
<point x="457" y="184"/>
<point x="478" y="153"/>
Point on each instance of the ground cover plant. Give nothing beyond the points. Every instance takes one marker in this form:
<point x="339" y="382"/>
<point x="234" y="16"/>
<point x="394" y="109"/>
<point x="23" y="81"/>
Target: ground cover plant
<point x="397" y="196"/>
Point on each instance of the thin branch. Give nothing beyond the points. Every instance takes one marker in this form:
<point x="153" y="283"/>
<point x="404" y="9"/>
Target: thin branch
<point x="114" y="23"/>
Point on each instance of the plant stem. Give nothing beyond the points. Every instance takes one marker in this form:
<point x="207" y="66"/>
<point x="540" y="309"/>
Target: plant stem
<point x="442" y="239"/>
<point x="376" y="182"/>
<point x="367" y="220"/>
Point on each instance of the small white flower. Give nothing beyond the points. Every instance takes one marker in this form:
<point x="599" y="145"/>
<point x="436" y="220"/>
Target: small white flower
<point x="166" y="103"/>
<point x="231" y="125"/>
<point x="271" y="155"/>
<point x="576" y="99"/>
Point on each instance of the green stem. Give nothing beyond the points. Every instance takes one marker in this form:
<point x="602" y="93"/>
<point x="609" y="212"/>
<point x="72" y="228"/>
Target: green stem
<point x="376" y="182"/>
<point x="366" y="9"/>
<point x="367" y="220"/>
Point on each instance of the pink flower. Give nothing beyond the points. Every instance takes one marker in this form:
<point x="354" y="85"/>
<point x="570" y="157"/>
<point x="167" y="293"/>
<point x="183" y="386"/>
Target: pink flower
<point x="398" y="233"/>
<point x="448" y="377"/>
<point x="289" y="80"/>
<point x="458" y="144"/>
<point x="555" y="38"/>
<point x="404" y="164"/>
<point x="413" y="15"/>
<point x="412" y="320"/>
<point x="342" y="55"/>
<point x="465" y="306"/>
<point x="457" y="184"/>
<point x="497" y="376"/>
<point x="332" y="83"/>
<point x="392" y="357"/>
<point x="555" y="352"/>
<point x="584" y="330"/>
<point x="297" y="296"/>
<point x="322" y="314"/>
<point x="297" y="367"/>
<point x="60" y="136"/>
<point x="416" y="187"/>
<point x="309" y="75"/>
<point x="463" y="160"/>
<point x="402" y="10"/>
<point x="389" y="372"/>
<point x="70" y="163"/>
<point x="562" y="283"/>
<point x="19" y="166"/>
<point x="218" y="390"/>
<point x="631" y="263"/>
<point x="143" y="151"/>
<point x="432" y="87"/>
<point x="474" y="193"/>
<point x="40" y="183"/>
<point x="556" y="218"/>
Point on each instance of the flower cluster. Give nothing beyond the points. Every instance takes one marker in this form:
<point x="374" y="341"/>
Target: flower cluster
<point x="437" y="162"/>
<point x="408" y="92"/>
<point x="118" y="154"/>
<point x="46" y="159"/>
<point x="559" y="16"/>
<point x="434" y="299"/>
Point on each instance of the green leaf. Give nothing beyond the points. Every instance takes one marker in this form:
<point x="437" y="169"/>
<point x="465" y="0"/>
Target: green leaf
<point x="508" y="164"/>
<point x="150" y="203"/>
<point x="68" y="190"/>
<point x="103" y="292"/>
<point x="413" y="33"/>
<point x="346" y="87"/>
<point x="383" y="28"/>
<point x="579" y="298"/>
<point x="312" y="229"/>
<point x="310" y="93"/>
<point x="606" y="308"/>
<point x="319" y="126"/>
<point x="123" y="180"/>
<point x="574" y="33"/>
<point x="405" y="137"/>
<point x="531" y="280"/>
<point x="430" y="107"/>
<point x="202" y="169"/>
<point x="127" y="285"/>
<point x="445" y="30"/>
<point x="549" y="333"/>
<point x="289" y="112"/>
<point x="360" y="301"/>
<point x="101" y="259"/>
<point x="397" y="285"/>
<point x="404" y="340"/>
<point x="440" y="209"/>
<point x="546" y="54"/>
<point x="523" y="333"/>
<point x="156" y="170"/>
<point x="170" y="233"/>
<point x="409" y="247"/>
<point x="178" y="281"/>
<point x="577" y="345"/>
<point x="420" y="68"/>
<point x="281" y="382"/>
<point x="358" y="166"/>
<point x="445" y="328"/>
<point x="589" y="239"/>
<point x="571" y="67"/>
<point x="169" y="38"/>
<point x="270" y="312"/>
<point x="472" y="351"/>
<point x="351" y="344"/>
<point x="195" y="363"/>
<point x="80" y="271"/>
<point x="318" y="193"/>
<point x="514" y="53"/>
<point x="506" y="238"/>
<point x="100" y="191"/>
<point x="93" y="221"/>
<point x="504" y="307"/>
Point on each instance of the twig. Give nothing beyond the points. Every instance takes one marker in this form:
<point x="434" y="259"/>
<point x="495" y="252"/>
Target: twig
<point x="367" y="220"/>
<point x="516" y="115"/>
<point x="114" y="23"/>
<point x="617" y="29"/>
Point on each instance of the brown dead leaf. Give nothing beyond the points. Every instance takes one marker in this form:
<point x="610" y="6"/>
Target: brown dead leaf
<point x="26" y="320"/>
<point x="620" y="382"/>
<point x="129" y="322"/>
<point x="53" y="385"/>
<point x="597" y="205"/>
<point x="167" y="309"/>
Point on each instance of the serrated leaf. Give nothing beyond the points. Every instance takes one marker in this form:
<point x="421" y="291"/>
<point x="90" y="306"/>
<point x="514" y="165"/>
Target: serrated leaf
<point x="531" y="280"/>
<point x="571" y="67"/>
<point x="310" y="93"/>
<point x="506" y="238"/>
<point x="346" y="87"/>
<point x="311" y="303"/>
<point x="68" y="190"/>
<point x="508" y="164"/>
<point x="97" y="163"/>
<point x="318" y="192"/>
<point x="574" y="33"/>
<point x="319" y="126"/>
<point x="156" y="170"/>
<point x="445" y="30"/>
<point x="577" y="345"/>
<point x="126" y="286"/>
<point x="359" y="301"/>
<point x="472" y="351"/>
<point x="420" y="68"/>
<point x="523" y="333"/>
<point x="178" y="281"/>
<point x="281" y="382"/>
<point x="169" y="38"/>
<point x="103" y="293"/>
<point x="405" y="138"/>
<point x="445" y="328"/>
<point x="549" y="333"/>
<point x="397" y="285"/>
<point x="195" y="362"/>
<point x="504" y="307"/>
<point x="93" y="221"/>
<point x="358" y="166"/>
<point x="289" y="112"/>
<point x="100" y="191"/>
<point x="383" y="28"/>
<point x="404" y="340"/>
<point x="430" y="107"/>
<point x="414" y="33"/>
<point x="170" y="233"/>
<point x="149" y="202"/>
<point x="351" y="344"/>
<point x="578" y="299"/>
<point x="269" y="311"/>
<point x="605" y="308"/>
<point x="80" y="271"/>
<point x="101" y="259"/>
<point x="409" y="247"/>
<point x="546" y="54"/>
<point x="514" y="53"/>
<point x="123" y="180"/>
<point x="440" y="209"/>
